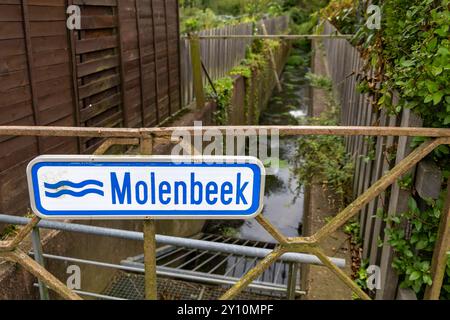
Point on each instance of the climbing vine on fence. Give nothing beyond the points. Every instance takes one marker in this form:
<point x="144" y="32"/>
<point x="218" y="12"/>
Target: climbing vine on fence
<point x="222" y="96"/>
<point x="415" y="244"/>
<point x="410" y="55"/>
<point x="323" y="159"/>
<point x="253" y="68"/>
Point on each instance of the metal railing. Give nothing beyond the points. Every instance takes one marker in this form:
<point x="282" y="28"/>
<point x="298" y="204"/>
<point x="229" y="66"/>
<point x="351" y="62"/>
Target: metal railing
<point x="309" y="245"/>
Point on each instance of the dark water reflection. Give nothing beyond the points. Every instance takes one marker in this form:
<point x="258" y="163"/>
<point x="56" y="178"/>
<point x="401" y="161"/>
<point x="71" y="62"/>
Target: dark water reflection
<point x="283" y="203"/>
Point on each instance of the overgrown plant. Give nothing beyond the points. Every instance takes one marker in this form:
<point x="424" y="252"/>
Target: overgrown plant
<point x="323" y="159"/>
<point x="222" y="95"/>
<point x="254" y="66"/>
<point x="413" y="236"/>
<point x="409" y="55"/>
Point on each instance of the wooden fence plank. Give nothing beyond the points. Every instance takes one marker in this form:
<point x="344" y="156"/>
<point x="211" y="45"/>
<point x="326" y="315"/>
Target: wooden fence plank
<point x="398" y="203"/>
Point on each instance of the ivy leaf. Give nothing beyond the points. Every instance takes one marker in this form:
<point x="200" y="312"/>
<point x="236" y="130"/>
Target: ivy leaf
<point x="396" y="220"/>
<point x="442" y="31"/>
<point x="428" y="98"/>
<point x="437" y="97"/>
<point x="424" y="266"/>
<point x="415" y="275"/>
<point x="436" y="70"/>
<point x="413" y="204"/>
<point x="409" y="253"/>
<point x="418" y="225"/>
<point x="422" y="244"/>
<point x="432" y="86"/>
<point x="443" y="149"/>
<point x="447" y="120"/>
<point x="427" y="279"/>
<point x="432" y="44"/>
<point x="407" y="63"/>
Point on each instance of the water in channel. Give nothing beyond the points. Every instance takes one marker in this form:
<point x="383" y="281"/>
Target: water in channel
<point x="283" y="204"/>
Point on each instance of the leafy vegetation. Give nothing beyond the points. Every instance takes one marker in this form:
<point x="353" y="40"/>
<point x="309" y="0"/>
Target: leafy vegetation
<point x="320" y="81"/>
<point x="323" y="159"/>
<point x="409" y="55"/>
<point x="415" y="247"/>
<point x="254" y="65"/>
<point x="205" y="14"/>
<point x="222" y="96"/>
<point x="9" y="231"/>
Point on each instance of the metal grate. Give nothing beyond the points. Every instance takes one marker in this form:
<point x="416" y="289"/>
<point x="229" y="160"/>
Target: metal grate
<point x="207" y="266"/>
<point x="131" y="286"/>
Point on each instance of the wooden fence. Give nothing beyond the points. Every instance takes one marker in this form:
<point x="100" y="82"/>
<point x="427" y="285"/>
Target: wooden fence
<point x="374" y="157"/>
<point x="121" y="69"/>
<point x="220" y="56"/>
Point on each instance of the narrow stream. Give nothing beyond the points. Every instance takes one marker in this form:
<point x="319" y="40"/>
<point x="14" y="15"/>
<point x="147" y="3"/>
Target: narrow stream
<point x="283" y="204"/>
<point x="283" y="201"/>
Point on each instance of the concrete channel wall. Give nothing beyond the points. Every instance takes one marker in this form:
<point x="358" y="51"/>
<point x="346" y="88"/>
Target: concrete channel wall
<point x="251" y="97"/>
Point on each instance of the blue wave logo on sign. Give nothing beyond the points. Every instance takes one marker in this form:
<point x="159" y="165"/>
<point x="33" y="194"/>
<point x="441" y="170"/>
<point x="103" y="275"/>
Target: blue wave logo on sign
<point x="56" y="193"/>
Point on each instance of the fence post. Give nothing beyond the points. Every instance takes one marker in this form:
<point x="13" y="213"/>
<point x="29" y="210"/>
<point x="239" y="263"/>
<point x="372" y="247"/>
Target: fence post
<point x="398" y="203"/>
<point x="272" y="60"/>
<point x="146" y="148"/>
<point x="197" y="70"/>
<point x="439" y="262"/>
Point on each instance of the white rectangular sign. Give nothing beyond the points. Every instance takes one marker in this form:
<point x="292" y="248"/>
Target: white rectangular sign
<point x="124" y="187"/>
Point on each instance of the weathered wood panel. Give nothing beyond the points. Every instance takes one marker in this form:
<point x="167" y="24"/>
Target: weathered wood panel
<point x="112" y="72"/>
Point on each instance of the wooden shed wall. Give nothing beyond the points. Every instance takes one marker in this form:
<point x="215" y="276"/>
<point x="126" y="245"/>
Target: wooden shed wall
<point x="121" y="69"/>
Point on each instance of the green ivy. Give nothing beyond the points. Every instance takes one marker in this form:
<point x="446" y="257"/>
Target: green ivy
<point x="222" y="96"/>
<point x="409" y="55"/>
<point x="319" y="81"/>
<point x="353" y="229"/>
<point x="415" y="248"/>
<point x="325" y="158"/>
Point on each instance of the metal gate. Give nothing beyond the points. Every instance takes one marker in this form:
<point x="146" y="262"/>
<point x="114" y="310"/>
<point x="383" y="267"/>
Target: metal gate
<point x="145" y="138"/>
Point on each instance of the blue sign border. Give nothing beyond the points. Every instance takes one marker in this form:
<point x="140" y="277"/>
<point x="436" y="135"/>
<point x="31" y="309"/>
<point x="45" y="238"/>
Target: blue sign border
<point x="256" y="207"/>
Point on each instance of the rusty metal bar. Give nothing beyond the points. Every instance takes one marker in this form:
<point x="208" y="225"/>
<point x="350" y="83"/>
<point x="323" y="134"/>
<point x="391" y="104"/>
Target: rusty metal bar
<point x="105" y="146"/>
<point x="339" y="273"/>
<point x="197" y="76"/>
<point x="11" y="251"/>
<point x="150" y="260"/>
<point x="380" y="186"/>
<point x="292" y="281"/>
<point x="271" y="229"/>
<point x="41" y="273"/>
<point x="439" y="262"/>
<point x="249" y="130"/>
<point x="253" y="274"/>
<point x="23" y="233"/>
